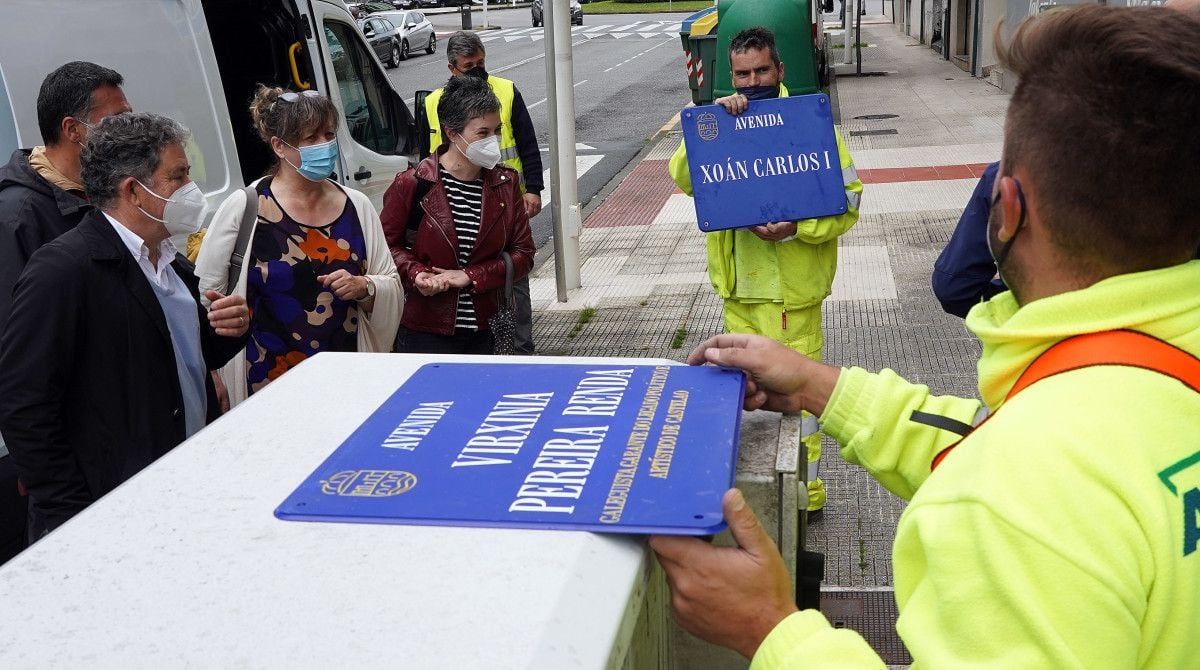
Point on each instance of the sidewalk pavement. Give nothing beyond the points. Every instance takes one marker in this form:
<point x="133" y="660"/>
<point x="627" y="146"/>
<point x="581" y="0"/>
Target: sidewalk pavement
<point x="920" y="135"/>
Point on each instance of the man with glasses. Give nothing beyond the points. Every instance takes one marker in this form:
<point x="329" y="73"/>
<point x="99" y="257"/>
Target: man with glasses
<point x="41" y="197"/>
<point x="518" y="149"/>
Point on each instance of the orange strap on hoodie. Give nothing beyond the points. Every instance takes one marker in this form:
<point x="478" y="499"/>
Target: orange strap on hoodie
<point x="1111" y="347"/>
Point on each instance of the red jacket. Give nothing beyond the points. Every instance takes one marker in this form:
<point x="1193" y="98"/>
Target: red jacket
<point x="504" y="226"/>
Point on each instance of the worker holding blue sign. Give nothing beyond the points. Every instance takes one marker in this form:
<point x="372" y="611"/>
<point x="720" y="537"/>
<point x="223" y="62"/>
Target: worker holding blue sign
<point x="773" y="276"/>
<point x="1055" y="521"/>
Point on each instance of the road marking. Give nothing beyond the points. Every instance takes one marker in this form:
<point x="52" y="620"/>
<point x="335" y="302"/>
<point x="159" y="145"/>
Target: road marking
<point x="582" y="165"/>
<point x="579" y="146"/>
<point x="530" y="60"/>
<point x="543" y="100"/>
<point x="643" y="28"/>
<point x="631" y="58"/>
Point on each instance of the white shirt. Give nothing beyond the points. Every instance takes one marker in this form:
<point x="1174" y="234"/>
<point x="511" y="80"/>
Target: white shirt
<point x="141" y="253"/>
<point x="183" y="322"/>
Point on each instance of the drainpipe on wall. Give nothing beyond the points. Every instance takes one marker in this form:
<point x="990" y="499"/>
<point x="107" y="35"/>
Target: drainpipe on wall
<point x="948" y="9"/>
<point x="976" y="40"/>
<point x="921" y="35"/>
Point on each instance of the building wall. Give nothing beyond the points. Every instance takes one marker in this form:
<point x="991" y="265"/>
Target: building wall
<point x="992" y="13"/>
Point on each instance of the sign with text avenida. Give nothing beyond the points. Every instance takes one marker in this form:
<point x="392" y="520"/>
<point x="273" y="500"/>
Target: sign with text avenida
<point x="777" y="161"/>
<point x="608" y="448"/>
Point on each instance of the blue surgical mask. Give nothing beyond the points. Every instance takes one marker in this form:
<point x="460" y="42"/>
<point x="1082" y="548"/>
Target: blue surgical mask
<point x="759" y="92"/>
<point x="317" y="161"/>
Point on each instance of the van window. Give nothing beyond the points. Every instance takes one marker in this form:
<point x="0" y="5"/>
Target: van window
<point x="8" y="124"/>
<point x="368" y="102"/>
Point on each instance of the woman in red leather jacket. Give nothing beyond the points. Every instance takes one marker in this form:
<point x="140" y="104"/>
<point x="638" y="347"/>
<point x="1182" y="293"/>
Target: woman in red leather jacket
<point x="447" y="222"/>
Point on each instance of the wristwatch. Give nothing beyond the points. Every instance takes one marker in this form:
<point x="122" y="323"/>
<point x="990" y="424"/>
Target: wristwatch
<point x="370" y="289"/>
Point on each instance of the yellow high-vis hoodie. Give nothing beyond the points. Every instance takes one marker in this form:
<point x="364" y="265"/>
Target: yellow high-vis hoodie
<point x="804" y="266"/>
<point x="1064" y="532"/>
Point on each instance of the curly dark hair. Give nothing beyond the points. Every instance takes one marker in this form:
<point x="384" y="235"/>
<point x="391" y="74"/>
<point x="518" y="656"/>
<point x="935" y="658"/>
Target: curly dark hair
<point x="125" y="145"/>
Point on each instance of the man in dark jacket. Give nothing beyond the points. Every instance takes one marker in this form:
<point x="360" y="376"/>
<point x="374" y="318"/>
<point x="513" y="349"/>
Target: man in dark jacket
<point x="965" y="273"/>
<point x="40" y="199"/>
<point x="104" y="362"/>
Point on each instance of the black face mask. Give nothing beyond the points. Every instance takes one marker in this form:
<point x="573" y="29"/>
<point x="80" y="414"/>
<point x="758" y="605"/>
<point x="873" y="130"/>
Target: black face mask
<point x="478" y="72"/>
<point x="759" y="92"/>
<point x="1003" y="254"/>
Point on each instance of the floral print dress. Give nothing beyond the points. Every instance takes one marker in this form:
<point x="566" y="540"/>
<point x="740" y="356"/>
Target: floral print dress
<point x="292" y="316"/>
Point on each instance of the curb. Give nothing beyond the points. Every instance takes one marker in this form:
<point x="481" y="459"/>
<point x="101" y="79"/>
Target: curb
<point x="547" y="250"/>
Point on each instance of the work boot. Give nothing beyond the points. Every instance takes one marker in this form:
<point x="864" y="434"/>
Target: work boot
<point x="816" y="495"/>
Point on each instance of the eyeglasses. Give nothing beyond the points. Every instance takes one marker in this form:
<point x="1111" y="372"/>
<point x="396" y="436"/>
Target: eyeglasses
<point x="292" y="96"/>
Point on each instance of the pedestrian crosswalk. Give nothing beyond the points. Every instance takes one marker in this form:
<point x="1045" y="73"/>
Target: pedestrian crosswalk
<point x="635" y="30"/>
<point x="583" y="163"/>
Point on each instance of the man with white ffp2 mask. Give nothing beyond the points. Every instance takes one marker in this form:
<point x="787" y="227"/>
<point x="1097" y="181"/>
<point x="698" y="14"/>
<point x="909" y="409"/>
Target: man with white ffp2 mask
<point x="107" y="351"/>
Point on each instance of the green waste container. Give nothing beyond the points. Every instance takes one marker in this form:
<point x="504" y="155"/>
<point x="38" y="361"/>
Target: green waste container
<point x="704" y="67"/>
<point x="796" y="39"/>
<point x="698" y="54"/>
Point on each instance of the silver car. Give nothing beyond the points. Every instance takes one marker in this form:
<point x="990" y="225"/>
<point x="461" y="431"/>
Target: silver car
<point x="415" y="31"/>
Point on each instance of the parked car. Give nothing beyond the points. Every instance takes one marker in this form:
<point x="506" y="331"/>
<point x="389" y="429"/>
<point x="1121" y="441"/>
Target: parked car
<point x="359" y="10"/>
<point x="383" y="37"/>
<point x="416" y="32"/>
<point x="576" y="13"/>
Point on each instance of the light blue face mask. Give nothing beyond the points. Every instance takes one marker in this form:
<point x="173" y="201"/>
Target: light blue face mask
<point x="317" y="161"/>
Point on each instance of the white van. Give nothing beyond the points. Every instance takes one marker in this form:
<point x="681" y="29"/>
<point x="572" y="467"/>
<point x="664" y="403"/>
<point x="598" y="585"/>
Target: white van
<point x="198" y="62"/>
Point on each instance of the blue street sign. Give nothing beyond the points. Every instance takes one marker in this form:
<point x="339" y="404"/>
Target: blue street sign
<point x="777" y="161"/>
<point x="603" y="447"/>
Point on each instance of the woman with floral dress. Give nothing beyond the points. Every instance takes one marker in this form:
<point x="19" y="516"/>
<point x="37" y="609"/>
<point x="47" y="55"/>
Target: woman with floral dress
<point x="317" y="274"/>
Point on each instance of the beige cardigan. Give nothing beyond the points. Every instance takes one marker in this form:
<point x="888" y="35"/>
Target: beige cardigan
<point x="376" y="331"/>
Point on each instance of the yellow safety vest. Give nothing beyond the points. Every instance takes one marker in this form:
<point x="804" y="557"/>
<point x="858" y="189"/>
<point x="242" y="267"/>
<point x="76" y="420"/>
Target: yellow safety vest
<point x="506" y="92"/>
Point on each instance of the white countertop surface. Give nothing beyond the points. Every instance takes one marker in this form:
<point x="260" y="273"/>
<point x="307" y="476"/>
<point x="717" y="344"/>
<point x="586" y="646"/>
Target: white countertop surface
<point x="185" y="565"/>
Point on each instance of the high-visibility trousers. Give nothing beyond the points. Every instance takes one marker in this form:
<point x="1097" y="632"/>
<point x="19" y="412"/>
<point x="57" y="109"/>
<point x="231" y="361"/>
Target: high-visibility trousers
<point x="799" y="330"/>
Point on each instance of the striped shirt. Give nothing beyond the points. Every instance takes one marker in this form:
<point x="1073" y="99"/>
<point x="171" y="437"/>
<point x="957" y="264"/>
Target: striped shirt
<point x="466" y="203"/>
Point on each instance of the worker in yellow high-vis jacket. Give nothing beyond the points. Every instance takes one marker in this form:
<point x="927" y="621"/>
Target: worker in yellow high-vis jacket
<point x="519" y="150"/>
<point x="1064" y="530"/>
<point x="773" y="277"/>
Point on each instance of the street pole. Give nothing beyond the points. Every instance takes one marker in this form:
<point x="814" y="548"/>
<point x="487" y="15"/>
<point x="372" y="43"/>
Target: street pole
<point x="564" y="189"/>
<point x="858" y="42"/>
<point x="485" y="23"/>
<point x="847" y="8"/>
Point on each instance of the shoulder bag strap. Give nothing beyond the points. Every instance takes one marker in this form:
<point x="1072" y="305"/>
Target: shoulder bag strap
<point x="415" y="212"/>
<point x="1127" y="348"/>
<point x="508" y="280"/>
<point x="241" y="248"/>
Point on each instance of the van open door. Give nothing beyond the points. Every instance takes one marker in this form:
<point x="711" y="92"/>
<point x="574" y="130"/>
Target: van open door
<point x="379" y="127"/>
<point x="312" y="44"/>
